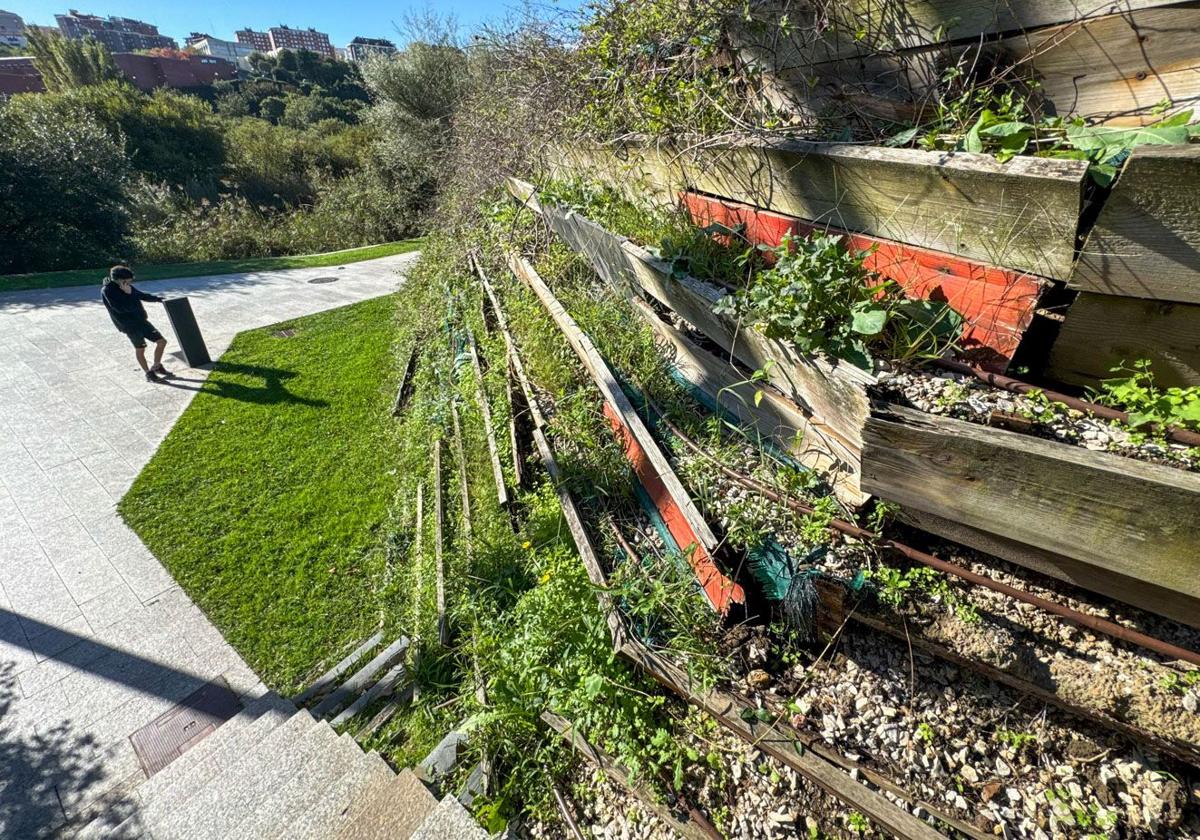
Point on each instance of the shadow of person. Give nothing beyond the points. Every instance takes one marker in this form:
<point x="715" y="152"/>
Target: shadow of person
<point x="273" y="390"/>
<point x="43" y="768"/>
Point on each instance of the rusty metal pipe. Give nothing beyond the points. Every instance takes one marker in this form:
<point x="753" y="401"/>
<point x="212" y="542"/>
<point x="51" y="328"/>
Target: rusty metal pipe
<point x="1090" y="622"/>
<point x="1177" y="434"/>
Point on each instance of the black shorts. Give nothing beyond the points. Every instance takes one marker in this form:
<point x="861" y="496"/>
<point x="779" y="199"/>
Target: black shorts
<point x="139" y="333"/>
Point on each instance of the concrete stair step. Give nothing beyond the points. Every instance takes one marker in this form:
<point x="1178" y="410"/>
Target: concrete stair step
<point x="327" y="680"/>
<point x="332" y="762"/>
<point x="361" y="679"/>
<point x="341" y="803"/>
<point x="395" y="813"/>
<point x="210" y="745"/>
<point x="289" y="760"/>
<point x="449" y="820"/>
<point x="196" y="774"/>
<point x="182" y="817"/>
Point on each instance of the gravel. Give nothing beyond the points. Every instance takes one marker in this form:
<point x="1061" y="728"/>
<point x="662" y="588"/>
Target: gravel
<point x="967" y="398"/>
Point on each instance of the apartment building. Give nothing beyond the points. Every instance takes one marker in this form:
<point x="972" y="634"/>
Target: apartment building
<point x="12" y="29"/>
<point x="360" y="49"/>
<point x="119" y="34"/>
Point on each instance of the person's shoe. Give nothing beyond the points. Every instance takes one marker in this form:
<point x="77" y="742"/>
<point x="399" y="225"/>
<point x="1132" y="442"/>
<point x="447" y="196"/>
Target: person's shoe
<point x="160" y="370"/>
<point x="151" y="376"/>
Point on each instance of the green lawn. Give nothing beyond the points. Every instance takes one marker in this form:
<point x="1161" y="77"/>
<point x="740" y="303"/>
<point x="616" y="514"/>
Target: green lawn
<point x="267" y="498"/>
<point x="92" y="276"/>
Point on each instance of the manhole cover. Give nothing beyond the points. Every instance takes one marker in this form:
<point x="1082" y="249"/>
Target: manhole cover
<point x="323" y="280"/>
<point x="284" y="333"/>
<point x="180" y="728"/>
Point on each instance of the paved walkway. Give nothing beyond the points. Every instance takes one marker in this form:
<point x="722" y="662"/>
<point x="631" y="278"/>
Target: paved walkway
<point x="96" y="639"/>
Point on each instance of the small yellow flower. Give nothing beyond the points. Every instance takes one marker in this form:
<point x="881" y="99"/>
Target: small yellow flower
<point x="545" y="577"/>
<point x="527" y="545"/>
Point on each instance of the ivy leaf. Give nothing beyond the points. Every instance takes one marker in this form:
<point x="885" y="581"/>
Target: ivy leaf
<point x="868" y="319"/>
<point x="856" y="354"/>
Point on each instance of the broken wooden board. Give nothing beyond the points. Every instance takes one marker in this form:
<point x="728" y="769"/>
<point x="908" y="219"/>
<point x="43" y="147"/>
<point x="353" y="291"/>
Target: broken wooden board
<point x="1114" y="514"/>
<point x="1146" y="241"/>
<point x="1102" y="332"/>
<point x="438" y="536"/>
<point x="997" y="304"/>
<point x="1021" y="215"/>
<point x="772" y="416"/>
<point x="485" y="409"/>
<point x="687" y="525"/>
<point x="831" y="393"/>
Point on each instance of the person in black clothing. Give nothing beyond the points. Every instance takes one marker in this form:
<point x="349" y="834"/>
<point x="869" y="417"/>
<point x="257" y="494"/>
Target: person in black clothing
<point x="124" y="305"/>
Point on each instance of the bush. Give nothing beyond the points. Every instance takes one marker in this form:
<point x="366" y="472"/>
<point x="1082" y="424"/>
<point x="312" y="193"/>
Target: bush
<point x="168" y="136"/>
<point x="62" y="181"/>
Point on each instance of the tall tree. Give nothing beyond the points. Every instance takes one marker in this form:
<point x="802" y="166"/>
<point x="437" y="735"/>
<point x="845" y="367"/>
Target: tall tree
<point x="66" y="64"/>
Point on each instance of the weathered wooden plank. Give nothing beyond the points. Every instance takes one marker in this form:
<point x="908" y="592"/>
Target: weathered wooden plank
<point x="689" y="828"/>
<point x="485" y="409"/>
<point x="996" y="304"/>
<point x="418" y="556"/>
<point x="689" y="528"/>
<point x="1021" y="214"/>
<point x="1146" y="241"/>
<point x="1102" y="332"/>
<point x="1116" y="514"/>
<point x="830" y="392"/>
<point x="775" y="418"/>
<point x="438" y="537"/>
<point x="1139" y="593"/>
<point x="1117" y="68"/>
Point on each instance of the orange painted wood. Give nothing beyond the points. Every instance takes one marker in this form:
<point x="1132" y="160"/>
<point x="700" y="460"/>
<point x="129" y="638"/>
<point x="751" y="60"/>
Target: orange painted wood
<point x="996" y="303"/>
<point x="720" y="590"/>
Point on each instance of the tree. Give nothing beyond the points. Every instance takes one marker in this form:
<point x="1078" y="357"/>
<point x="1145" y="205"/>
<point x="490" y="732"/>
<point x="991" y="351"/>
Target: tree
<point x="66" y="64"/>
<point x="62" y="189"/>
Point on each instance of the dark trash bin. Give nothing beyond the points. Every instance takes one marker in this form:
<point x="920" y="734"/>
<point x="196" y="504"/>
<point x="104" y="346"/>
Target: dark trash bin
<point x="187" y="331"/>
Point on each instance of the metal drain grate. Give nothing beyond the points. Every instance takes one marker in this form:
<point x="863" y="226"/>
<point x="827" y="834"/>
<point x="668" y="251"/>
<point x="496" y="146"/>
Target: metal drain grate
<point x="323" y="280"/>
<point x="182" y="727"/>
<point x="284" y="333"/>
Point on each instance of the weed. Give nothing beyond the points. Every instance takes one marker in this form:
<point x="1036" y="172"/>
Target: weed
<point x="925" y="732"/>
<point x="858" y="823"/>
<point x="1175" y="683"/>
<point x="1147" y="403"/>
<point x="820" y="296"/>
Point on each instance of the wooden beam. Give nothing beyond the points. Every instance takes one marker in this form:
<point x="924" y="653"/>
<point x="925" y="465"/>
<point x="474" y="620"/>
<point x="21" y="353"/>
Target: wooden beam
<point x="1139" y="593"/>
<point x="1146" y="241"/>
<point x="758" y="406"/>
<point x="831" y="393"/>
<point x="691" y="829"/>
<point x="687" y="525"/>
<point x="1117" y="68"/>
<point x="1111" y="513"/>
<point x="485" y="409"/>
<point x="1020" y="215"/>
<point x="996" y="304"/>
<point x="438" y="537"/>
<point x="1102" y="332"/>
<point x="418" y="556"/>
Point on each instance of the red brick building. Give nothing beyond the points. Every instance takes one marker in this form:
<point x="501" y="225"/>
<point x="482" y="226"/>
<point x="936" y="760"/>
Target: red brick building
<point x="18" y="75"/>
<point x="260" y="41"/>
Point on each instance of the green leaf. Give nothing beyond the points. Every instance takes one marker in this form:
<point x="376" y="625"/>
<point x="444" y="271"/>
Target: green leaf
<point x="1181" y="118"/>
<point x="1102" y="173"/>
<point x="1095" y="137"/>
<point x="903" y="138"/>
<point x="1006" y="129"/>
<point x="868" y="319"/>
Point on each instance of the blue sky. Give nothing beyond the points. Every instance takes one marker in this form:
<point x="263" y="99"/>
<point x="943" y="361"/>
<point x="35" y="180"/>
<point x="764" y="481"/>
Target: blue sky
<point x="342" y="20"/>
